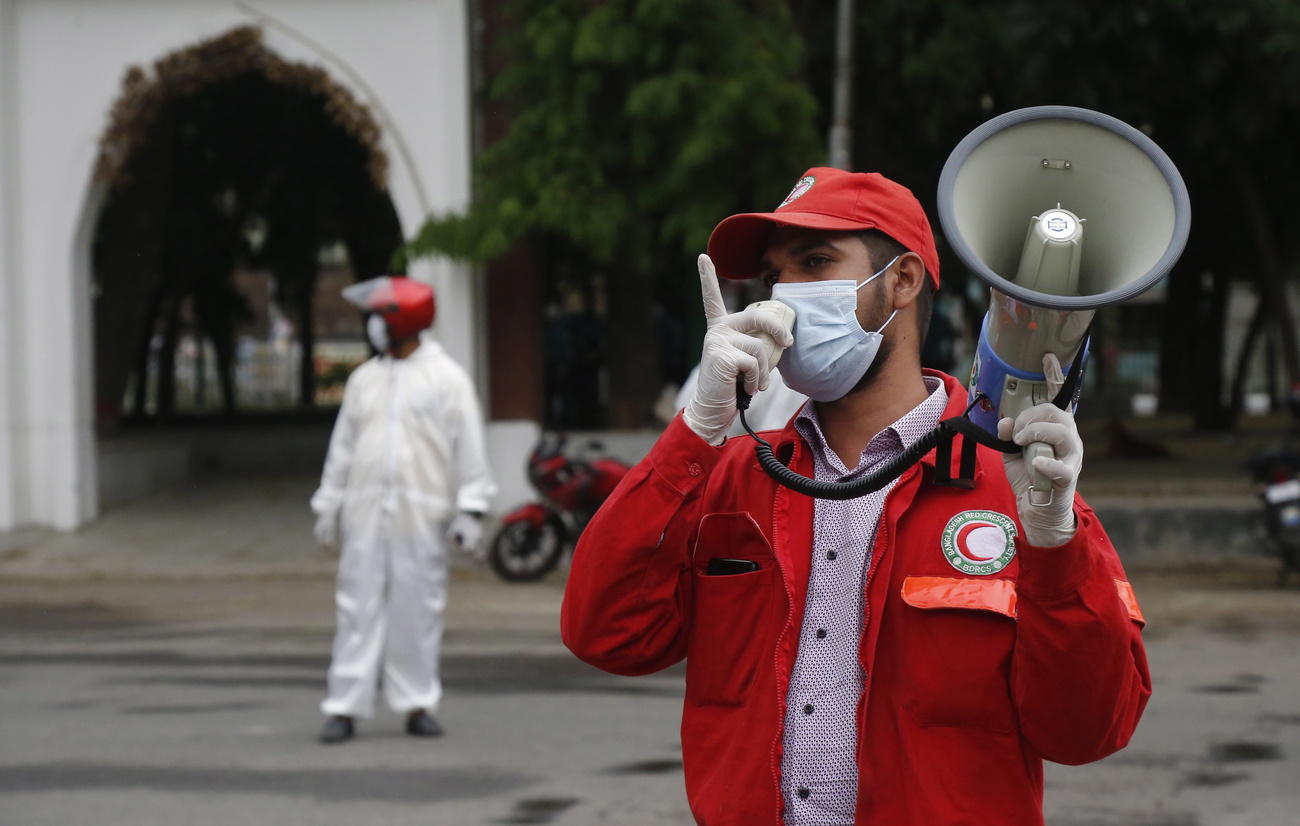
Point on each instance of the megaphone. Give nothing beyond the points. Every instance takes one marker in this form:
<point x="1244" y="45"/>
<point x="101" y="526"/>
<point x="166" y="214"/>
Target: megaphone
<point x="1060" y="210"/>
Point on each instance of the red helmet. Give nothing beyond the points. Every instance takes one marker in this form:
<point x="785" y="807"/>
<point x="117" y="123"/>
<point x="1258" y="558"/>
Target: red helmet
<point x="406" y="305"/>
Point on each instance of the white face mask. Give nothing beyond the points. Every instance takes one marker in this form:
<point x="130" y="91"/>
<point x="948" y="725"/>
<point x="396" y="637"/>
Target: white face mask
<point x="831" y="352"/>
<point x="377" y="332"/>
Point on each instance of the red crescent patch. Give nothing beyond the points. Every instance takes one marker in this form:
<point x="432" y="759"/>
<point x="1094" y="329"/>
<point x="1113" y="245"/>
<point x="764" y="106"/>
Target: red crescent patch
<point x="963" y="542"/>
<point x="979" y="542"/>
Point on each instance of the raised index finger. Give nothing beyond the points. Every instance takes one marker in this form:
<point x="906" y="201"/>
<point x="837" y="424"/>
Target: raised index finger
<point x="709" y="290"/>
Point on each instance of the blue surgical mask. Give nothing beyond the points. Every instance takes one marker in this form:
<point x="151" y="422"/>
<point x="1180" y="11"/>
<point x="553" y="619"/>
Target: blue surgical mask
<point x="831" y="351"/>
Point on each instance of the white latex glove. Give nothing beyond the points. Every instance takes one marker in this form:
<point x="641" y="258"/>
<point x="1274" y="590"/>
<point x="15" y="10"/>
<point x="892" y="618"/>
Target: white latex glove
<point x="1051" y="524"/>
<point x="327" y="530"/>
<point x="466" y="532"/>
<point x="728" y="352"/>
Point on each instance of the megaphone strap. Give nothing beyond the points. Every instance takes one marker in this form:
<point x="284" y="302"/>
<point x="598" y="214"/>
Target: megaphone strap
<point x="972" y="435"/>
<point x="1069" y="392"/>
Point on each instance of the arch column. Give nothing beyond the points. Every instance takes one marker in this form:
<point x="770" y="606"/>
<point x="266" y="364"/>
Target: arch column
<point x="47" y="457"/>
<point x="8" y="269"/>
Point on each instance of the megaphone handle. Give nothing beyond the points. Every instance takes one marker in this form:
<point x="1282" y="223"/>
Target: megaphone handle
<point x="1040" y="487"/>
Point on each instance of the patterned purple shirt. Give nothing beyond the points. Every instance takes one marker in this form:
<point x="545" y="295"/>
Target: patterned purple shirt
<point x="819" y="769"/>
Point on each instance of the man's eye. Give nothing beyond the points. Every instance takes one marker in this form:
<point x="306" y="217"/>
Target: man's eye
<point x="812" y="262"/>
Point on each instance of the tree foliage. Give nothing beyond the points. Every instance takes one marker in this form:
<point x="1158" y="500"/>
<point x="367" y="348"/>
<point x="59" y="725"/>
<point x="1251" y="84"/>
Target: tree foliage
<point x="635" y="126"/>
<point x="1217" y="85"/>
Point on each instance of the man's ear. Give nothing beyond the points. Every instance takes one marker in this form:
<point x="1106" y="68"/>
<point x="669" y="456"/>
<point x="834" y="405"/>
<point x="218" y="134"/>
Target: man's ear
<point x="909" y="280"/>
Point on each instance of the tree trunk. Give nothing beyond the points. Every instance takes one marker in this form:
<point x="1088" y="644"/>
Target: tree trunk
<point x="201" y="372"/>
<point x="1179" y="374"/>
<point x="1243" y="358"/>
<point x="1270" y="373"/>
<point x="1271" y="275"/>
<point x="225" y="374"/>
<point x="1209" y="411"/>
<point x="125" y="264"/>
<point x="302" y="258"/>
<point x="147" y="329"/>
<point x="307" y="342"/>
<point x="167" y="360"/>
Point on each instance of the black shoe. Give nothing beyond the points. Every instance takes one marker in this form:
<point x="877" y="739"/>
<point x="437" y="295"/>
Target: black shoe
<point x="337" y="729"/>
<point x="421" y="724"/>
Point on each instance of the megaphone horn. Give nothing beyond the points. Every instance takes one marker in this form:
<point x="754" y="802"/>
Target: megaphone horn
<point x="1060" y="210"/>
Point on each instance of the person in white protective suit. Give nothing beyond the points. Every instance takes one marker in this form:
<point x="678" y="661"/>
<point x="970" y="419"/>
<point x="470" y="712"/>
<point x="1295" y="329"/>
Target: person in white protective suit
<point x="406" y="474"/>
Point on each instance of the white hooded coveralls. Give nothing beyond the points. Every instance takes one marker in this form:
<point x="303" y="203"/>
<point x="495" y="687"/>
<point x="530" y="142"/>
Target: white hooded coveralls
<point x="406" y="454"/>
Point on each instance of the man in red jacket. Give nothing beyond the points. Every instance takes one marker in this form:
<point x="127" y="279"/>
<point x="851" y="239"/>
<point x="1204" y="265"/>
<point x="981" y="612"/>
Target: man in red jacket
<point x="906" y="657"/>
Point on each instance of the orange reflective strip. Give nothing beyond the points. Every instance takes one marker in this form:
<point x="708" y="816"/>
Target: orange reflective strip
<point x="998" y="595"/>
<point x="1130" y="601"/>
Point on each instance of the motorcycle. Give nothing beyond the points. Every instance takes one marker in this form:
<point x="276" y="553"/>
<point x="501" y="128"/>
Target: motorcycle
<point x="1277" y="477"/>
<point x="534" y="537"/>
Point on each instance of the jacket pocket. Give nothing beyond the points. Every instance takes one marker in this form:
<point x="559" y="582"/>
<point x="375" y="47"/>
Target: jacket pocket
<point x="731" y="627"/>
<point x="959" y="637"/>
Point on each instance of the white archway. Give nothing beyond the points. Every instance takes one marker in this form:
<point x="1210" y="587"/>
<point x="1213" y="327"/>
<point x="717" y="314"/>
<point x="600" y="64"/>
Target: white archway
<point x="60" y="68"/>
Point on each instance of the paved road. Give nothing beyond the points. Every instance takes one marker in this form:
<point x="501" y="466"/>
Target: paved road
<point x="163" y="701"/>
<point x="157" y="703"/>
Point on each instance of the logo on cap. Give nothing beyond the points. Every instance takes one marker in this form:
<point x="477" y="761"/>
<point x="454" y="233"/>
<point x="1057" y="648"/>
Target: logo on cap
<point x="805" y="184"/>
<point x="979" y="542"/>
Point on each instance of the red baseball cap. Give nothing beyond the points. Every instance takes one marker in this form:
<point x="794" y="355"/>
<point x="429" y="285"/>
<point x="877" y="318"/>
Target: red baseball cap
<point x="833" y="200"/>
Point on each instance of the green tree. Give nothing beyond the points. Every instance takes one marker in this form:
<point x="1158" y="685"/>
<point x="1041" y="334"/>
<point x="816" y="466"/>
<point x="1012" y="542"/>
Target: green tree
<point x="1217" y="85"/>
<point x="636" y="125"/>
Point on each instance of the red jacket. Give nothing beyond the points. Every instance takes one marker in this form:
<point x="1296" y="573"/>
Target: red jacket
<point x="971" y="681"/>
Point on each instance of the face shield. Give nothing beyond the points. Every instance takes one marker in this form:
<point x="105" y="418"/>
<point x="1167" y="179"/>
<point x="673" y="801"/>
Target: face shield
<point x="405" y="305"/>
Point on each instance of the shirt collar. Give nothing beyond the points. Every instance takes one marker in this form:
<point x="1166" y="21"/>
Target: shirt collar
<point x="916" y="422"/>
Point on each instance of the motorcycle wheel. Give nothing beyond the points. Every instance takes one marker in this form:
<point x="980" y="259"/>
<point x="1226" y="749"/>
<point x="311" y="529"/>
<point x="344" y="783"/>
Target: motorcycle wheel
<point x="521" y="552"/>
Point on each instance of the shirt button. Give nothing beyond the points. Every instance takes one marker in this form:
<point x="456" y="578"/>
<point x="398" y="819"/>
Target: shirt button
<point x="831" y="555"/>
<point x="694" y="469"/>
<point x="808" y="709"/>
<point x="803" y="793"/>
<point x="821" y="633"/>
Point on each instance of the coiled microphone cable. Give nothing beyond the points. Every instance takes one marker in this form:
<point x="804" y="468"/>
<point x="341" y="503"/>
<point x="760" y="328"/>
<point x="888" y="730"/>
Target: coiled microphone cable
<point x="881" y="476"/>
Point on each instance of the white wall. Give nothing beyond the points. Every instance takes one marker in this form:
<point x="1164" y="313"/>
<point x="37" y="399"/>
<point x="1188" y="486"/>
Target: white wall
<point x="61" y="63"/>
<point x="8" y="269"/>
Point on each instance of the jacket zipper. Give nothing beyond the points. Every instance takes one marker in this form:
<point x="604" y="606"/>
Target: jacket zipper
<point x="776" y="655"/>
<point x="390" y="443"/>
<point x="866" y="607"/>
<point x="390" y="471"/>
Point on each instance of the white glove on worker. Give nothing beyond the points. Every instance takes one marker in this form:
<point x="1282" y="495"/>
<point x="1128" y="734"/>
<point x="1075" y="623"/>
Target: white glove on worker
<point x="1052" y="524"/>
<point x="728" y="352"/>
<point x="327" y="530"/>
<point x="466" y="532"/>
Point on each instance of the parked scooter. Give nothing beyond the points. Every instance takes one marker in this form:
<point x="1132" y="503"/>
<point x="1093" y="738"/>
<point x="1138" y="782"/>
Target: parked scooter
<point x="1277" y="477"/>
<point x="534" y="537"/>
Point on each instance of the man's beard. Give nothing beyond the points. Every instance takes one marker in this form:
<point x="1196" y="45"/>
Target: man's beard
<point x="869" y="377"/>
<point x="882" y="354"/>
